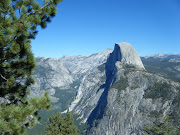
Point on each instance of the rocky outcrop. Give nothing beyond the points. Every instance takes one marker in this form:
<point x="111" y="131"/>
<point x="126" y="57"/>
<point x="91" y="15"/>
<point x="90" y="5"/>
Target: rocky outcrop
<point x="126" y="54"/>
<point x="135" y="99"/>
<point x="120" y="97"/>
<point x="80" y="65"/>
<point x="89" y="65"/>
<point x="115" y="94"/>
<point x="123" y="52"/>
<point x="52" y="73"/>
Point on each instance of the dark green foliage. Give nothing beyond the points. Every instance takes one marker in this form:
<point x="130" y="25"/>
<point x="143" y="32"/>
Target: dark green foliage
<point x="15" y="118"/>
<point x="61" y="125"/>
<point x="122" y="84"/>
<point x="136" y="83"/>
<point x="81" y="126"/>
<point x="176" y="109"/>
<point x="16" y="58"/>
<point x="39" y="129"/>
<point x="18" y="22"/>
<point x="162" y="128"/>
<point x="129" y="66"/>
<point x="176" y="101"/>
<point x="159" y="90"/>
<point x="176" y="116"/>
<point x="65" y="98"/>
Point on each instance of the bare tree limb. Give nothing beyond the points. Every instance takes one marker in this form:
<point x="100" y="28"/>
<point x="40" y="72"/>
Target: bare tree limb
<point x="3" y="77"/>
<point x="41" y="8"/>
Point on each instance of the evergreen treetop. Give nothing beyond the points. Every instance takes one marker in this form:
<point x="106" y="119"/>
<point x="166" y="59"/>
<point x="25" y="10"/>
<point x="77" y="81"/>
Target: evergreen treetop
<point x="162" y="128"/>
<point x="61" y="125"/>
<point x="18" y="25"/>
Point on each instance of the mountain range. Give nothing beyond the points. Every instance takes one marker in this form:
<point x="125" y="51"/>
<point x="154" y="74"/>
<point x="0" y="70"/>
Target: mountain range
<point x="114" y="92"/>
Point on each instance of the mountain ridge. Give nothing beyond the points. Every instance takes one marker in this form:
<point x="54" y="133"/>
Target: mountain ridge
<point x="96" y="86"/>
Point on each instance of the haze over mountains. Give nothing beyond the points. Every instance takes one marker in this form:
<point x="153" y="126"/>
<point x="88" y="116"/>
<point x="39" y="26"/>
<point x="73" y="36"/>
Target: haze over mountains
<point x="112" y="91"/>
<point x="167" y="65"/>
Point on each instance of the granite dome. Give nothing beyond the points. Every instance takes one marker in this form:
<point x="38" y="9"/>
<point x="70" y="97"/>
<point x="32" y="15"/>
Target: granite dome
<point x="125" y="53"/>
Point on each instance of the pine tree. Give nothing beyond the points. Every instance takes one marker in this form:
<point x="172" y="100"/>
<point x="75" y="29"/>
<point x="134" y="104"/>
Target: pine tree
<point x="18" y="25"/>
<point x="162" y="128"/>
<point x="61" y="125"/>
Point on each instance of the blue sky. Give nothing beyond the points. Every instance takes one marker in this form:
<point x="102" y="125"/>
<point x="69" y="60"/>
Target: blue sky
<point x="84" y="27"/>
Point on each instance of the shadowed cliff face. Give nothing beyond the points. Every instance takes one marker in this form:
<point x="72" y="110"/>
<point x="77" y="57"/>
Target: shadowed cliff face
<point x="110" y="71"/>
<point x="121" y="97"/>
<point x="136" y="98"/>
<point x="115" y="95"/>
<point x="64" y="79"/>
<point x="124" y="53"/>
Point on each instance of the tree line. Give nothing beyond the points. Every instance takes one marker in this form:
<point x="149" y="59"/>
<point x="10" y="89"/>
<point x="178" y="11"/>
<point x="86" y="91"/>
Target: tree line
<point x="19" y="20"/>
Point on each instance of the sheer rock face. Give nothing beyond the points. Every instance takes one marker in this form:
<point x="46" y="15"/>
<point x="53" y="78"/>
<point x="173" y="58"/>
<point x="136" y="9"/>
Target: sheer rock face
<point x="117" y="98"/>
<point x="133" y="102"/>
<point x="82" y="69"/>
<point x="115" y="95"/>
<point x="53" y="73"/>
<point x="123" y="52"/>
<point x="50" y="74"/>
<point x="126" y="54"/>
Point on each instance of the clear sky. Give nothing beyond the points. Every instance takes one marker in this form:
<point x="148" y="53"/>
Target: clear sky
<point x="84" y="27"/>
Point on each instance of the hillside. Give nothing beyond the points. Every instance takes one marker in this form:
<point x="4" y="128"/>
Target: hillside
<point x="111" y="91"/>
<point x="167" y="65"/>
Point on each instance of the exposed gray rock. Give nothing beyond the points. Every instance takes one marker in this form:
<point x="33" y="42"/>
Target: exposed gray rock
<point x="50" y="74"/>
<point x="126" y="54"/>
<point x="161" y="56"/>
<point x="170" y="57"/>
<point x="80" y="65"/>
<point x="126" y="98"/>
<point x="129" y="55"/>
<point x="89" y="92"/>
<point x="177" y="68"/>
<point x="175" y="60"/>
<point x="53" y="73"/>
<point x="129" y="107"/>
<point x="115" y="94"/>
<point x="56" y="74"/>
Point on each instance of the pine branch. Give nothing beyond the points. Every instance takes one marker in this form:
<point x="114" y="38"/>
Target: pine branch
<point x="3" y="77"/>
<point x="40" y="8"/>
<point x="34" y="11"/>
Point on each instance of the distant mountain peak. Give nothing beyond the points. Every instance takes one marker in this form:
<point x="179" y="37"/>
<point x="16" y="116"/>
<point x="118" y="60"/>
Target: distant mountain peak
<point x="161" y="56"/>
<point x="157" y="56"/>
